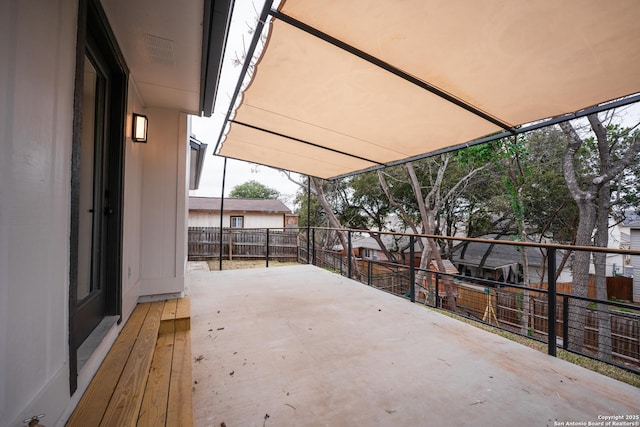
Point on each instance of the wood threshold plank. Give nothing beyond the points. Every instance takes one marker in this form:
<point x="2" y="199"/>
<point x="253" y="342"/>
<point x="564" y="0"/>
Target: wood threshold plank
<point x="167" y="323"/>
<point x="93" y="403"/>
<point x="183" y="314"/>
<point x="153" y="411"/>
<point x="180" y="409"/>
<point x="169" y="311"/>
<point x="124" y="406"/>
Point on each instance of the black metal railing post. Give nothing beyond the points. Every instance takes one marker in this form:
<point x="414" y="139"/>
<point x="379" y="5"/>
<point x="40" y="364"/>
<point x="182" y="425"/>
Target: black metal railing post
<point x="369" y="272"/>
<point x="267" y="253"/>
<point x="435" y="297"/>
<point x="412" y="268"/>
<point x="551" y="298"/>
<point x="224" y="176"/>
<point x="349" y="254"/>
<point x="565" y="322"/>
<point x="313" y="247"/>
<point x="308" y="217"/>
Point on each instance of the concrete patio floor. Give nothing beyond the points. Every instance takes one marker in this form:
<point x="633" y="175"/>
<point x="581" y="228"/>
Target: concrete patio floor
<point x="299" y="346"/>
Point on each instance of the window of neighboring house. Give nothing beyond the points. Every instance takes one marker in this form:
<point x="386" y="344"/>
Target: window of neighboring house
<point x="371" y="254"/>
<point x="237" y="222"/>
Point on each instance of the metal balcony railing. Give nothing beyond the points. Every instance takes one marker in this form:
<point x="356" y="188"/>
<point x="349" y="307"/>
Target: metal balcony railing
<point x="543" y="310"/>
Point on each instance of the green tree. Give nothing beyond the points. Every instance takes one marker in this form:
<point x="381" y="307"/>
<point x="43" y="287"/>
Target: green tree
<point x="313" y="211"/>
<point x="591" y="163"/>
<point x="253" y="190"/>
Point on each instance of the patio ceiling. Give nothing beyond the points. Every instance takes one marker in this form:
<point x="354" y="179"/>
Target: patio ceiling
<point x="343" y="87"/>
<point x="172" y="49"/>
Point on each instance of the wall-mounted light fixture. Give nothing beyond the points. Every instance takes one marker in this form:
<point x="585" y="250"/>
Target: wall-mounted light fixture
<point x="139" y="131"/>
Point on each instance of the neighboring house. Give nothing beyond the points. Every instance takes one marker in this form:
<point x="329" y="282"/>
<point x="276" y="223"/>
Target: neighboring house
<point x="240" y="213"/>
<point x="620" y="238"/>
<point x="93" y="217"/>
<point x="368" y="248"/>
<point x="502" y="262"/>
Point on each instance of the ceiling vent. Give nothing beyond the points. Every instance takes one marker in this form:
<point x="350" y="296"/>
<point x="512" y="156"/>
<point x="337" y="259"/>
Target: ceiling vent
<point x="159" y="50"/>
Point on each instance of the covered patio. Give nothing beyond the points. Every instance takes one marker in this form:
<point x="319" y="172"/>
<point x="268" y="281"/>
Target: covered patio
<point x="302" y="346"/>
<point x="93" y="219"/>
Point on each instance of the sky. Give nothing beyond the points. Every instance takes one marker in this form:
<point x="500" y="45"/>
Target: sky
<point x="207" y="130"/>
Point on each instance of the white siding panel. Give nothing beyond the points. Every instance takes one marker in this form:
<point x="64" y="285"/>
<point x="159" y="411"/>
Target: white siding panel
<point x="203" y="219"/>
<point x="132" y="221"/>
<point x="259" y="220"/>
<point x="251" y="219"/>
<point x="163" y="203"/>
<point x="37" y="66"/>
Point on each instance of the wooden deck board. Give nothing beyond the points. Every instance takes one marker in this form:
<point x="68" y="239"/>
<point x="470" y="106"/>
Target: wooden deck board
<point x="180" y="408"/>
<point x="167" y="323"/>
<point x="93" y="404"/>
<point x="169" y="311"/>
<point x="124" y="406"/>
<point x="153" y="411"/>
<point x="145" y="380"/>
<point x="183" y="314"/>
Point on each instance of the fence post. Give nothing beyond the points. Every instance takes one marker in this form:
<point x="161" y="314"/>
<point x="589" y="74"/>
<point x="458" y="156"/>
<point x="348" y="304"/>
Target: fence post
<point x="565" y="322"/>
<point x="412" y="268"/>
<point x="369" y="272"/>
<point x="551" y="300"/>
<point x="267" y="254"/>
<point x="349" y="254"/>
<point x="436" y="299"/>
<point x="314" y="246"/>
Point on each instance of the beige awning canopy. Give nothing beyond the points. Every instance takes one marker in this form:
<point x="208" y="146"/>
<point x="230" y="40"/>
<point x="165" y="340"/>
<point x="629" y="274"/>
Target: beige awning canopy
<point x="347" y="85"/>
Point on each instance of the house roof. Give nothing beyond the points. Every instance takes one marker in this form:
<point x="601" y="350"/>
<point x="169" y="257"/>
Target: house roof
<point x="631" y="219"/>
<point x="500" y="255"/>
<point x="346" y="87"/>
<point x="273" y="206"/>
<point x="392" y="242"/>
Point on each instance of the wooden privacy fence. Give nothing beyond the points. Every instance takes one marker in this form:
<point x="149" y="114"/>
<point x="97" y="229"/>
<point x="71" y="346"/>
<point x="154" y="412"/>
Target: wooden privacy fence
<point x="620" y="288"/>
<point x="324" y="258"/>
<point x="204" y="244"/>
<point x="331" y="260"/>
<point x="390" y="278"/>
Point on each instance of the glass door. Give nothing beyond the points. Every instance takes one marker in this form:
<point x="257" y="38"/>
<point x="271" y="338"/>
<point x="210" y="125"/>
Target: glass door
<point x="97" y="181"/>
<point x="90" y="295"/>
